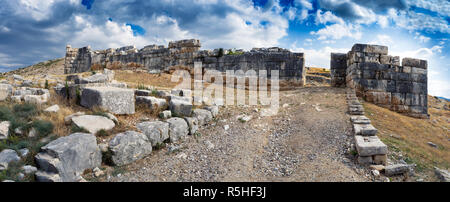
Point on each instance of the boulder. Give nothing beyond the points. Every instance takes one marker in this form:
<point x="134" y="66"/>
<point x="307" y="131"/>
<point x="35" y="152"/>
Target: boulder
<point x="24" y="152"/>
<point x="17" y="77"/>
<point x="35" y="99"/>
<point x="369" y="145"/>
<point x="53" y="108"/>
<point x="192" y="123"/>
<point x="93" y="123"/>
<point x="152" y="102"/>
<point x="5" y="91"/>
<point x="443" y="175"/>
<point x="178" y="129"/>
<point x="4" y="129"/>
<point x="27" y="169"/>
<point x="115" y="100"/>
<point x="66" y="158"/>
<point x="396" y="169"/>
<point x="68" y="119"/>
<point x="203" y="116"/>
<point x="156" y="131"/>
<point x="180" y="107"/>
<point x="7" y="156"/>
<point x="128" y="147"/>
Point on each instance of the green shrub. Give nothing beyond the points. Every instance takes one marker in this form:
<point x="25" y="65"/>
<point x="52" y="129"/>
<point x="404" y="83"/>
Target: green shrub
<point x="93" y="72"/>
<point x="78" y="96"/>
<point x="220" y="54"/>
<point x="66" y="87"/>
<point x="43" y="128"/>
<point x="5" y="113"/>
<point x="142" y="87"/>
<point x="76" y="129"/>
<point x="26" y="111"/>
<point x="46" y="84"/>
<point x="102" y="133"/>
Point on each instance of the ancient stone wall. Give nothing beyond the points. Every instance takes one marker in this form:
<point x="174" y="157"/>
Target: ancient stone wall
<point x="338" y="69"/>
<point x="380" y="79"/>
<point x="184" y="53"/>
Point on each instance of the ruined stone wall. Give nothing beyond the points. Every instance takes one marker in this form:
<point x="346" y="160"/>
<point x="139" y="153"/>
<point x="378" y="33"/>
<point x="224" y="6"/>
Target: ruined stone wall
<point x="185" y="53"/>
<point x="380" y="79"/>
<point x="338" y="69"/>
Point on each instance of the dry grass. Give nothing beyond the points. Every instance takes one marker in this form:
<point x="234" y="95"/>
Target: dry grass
<point x="411" y="135"/>
<point x="317" y="70"/>
<point x="133" y="79"/>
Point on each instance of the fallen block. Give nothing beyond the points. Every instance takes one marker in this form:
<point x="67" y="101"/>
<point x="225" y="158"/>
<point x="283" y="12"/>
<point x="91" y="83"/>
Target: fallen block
<point x="115" y="100"/>
<point x="364" y="129"/>
<point x="369" y="145"/>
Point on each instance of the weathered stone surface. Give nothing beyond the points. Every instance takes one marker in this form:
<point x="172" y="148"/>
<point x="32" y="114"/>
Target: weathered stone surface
<point x="53" y="108"/>
<point x="96" y="78"/>
<point x="93" y="123"/>
<point x="68" y="119"/>
<point x="396" y="169"/>
<point x="156" y="131"/>
<point x="112" y="117"/>
<point x="24" y="152"/>
<point x="27" y="169"/>
<point x="360" y="119"/>
<point x="5" y="91"/>
<point x="115" y="100"/>
<point x="7" y="156"/>
<point x="213" y="109"/>
<point x="152" y="102"/>
<point x="128" y="147"/>
<point x="35" y="99"/>
<point x="180" y="108"/>
<point x="4" y="129"/>
<point x="65" y="158"/>
<point x="192" y="123"/>
<point x="443" y="175"/>
<point x="412" y="62"/>
<point x="17" y="77"/>
<point x="165" y="114"/>
<point x="139" y="92"/>
<point x="380" y="159"/>
<point x="365" y="160"/>
<point x="369" y="145"/>
<point x="203" y="116"/>
<point x="364" y="129"/>
<point x="178" y="129"/>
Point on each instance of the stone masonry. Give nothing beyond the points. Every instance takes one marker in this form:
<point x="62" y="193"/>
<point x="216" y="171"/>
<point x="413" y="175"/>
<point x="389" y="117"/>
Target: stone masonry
<point x="157" y="58"/>
<point x="380" y="78"/>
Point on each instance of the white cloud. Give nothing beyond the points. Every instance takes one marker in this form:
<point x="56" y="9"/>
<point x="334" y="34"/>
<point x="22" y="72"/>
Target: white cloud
<point x="325" y="17"/>
<point x="421" y="38"/>
<point x="382" y="39"/>
<point x="338" y="31"/>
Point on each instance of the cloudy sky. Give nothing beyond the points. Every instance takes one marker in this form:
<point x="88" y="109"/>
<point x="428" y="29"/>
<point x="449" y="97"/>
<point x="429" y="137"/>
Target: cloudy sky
<point x="38" y="30"/>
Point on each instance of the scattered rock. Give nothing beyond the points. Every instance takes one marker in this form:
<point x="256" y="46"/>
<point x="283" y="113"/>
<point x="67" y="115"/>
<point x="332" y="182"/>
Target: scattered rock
<point x="244" y="118"/>
<point x="4" y="129"/>
<point x="54" y="108"/>
<point x="93" y="123"/>
<point x="32" y="133"/>
<point x="213" y="109"/>
<point x="24" y="152"/>
<point x="112" y="117"/>
<point x="178" y="129"/>
<point x="397" y="169"/>
<point x="443" y="175"/>
<point x="165" y="114"/>
<point x="7" y="156"/>
<point x="151" y="102"/>
<point x="226" y="127"/>
<point x="180" y="107"/>
<point x="65" y="158"/>
<point x="203" y="116"/>
<point x="5" y="91"/>
<point x="156" y="131"/>
<point x="192" y="123"/>
<point x="432" y="144"/>
<point x="377" y="167"/>
<point x="375" y="173"/>
<point x="209" y="145"/>
<point x="97" y="172"/>
<point x="29" y="169"/>
<point x="103" y="147"/>
<point x="128" y="147"/>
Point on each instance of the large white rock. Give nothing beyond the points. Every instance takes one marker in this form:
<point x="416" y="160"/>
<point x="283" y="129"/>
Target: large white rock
<point x="370" y="145"/>
<point x="178" y="129"/>
<point x="128" y="147"/>
<point x="156" y="131"/>
<point x="66" y="158"/>
<point x="4" y="129"/>
<point x="115" y="100"/>
<point x="35" y="99"/>
<point x="5" y="91"/>
<point x="93" y="123"/>
<point x="53" y="108"/>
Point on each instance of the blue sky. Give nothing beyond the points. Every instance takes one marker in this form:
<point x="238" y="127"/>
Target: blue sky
<point x="32" y="31"/>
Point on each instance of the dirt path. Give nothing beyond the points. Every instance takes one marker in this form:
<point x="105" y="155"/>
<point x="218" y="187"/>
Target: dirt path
<point x="306" y="141"/>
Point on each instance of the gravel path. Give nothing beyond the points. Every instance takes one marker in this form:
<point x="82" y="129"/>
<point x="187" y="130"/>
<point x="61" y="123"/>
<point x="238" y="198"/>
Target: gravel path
<point x="306" y="141"/>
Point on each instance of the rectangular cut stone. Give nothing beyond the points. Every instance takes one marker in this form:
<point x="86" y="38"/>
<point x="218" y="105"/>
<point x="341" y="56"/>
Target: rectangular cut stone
<point x="365" y="160"/>
<point x="364" y="129"/>
<point x="115" y="100"/>
<point x="369" y="145"/>
<point x="412" y="62"/>
<point x="380" y="159"/>
<point x="152" y="102"/>
<point x="360" y="119"/>
<point x="370" y="48"/>
<point x="5" y="91"/>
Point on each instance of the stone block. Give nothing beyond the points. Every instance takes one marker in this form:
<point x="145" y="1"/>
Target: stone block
<point x="152" y="102"/>
<point x="180" y="107"/>
<point x="380" y="159"/>
<point x="364" y="129"/>
<point x="359" y="120"/>
<point x="156" y="131"/>
<point x="369" y="145"/>
<point x="115" y="100"/>
<point x="128" y="147"/>
<point x="412" y="62"/>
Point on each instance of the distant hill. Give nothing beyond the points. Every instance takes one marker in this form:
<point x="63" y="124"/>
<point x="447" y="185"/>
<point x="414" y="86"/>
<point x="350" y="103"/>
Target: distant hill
<point x="443" y="98"/>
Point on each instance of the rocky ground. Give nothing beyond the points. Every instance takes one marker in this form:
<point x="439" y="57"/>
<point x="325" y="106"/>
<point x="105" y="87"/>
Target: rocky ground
<point x="307" y="140"/>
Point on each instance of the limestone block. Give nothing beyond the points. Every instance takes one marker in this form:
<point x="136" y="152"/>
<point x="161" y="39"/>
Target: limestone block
<point x="156" y="131"/>
<point x="115" y="100"/>
<point x="369" y="145"/>
<point x="364" y="129"/>
<point x="412" y="62"/>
